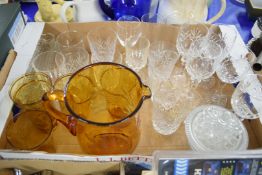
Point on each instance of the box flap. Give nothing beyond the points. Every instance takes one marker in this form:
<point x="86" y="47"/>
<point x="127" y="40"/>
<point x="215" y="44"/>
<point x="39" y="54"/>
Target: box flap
<point x="25" y="48"/>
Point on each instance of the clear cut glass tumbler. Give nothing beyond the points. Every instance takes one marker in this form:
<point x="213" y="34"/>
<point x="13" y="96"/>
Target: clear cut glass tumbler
<point x="102" y="42"/>
<point x="136" y="55"/>
<point x="51" y="63"/>
<point x="246" y="100"/>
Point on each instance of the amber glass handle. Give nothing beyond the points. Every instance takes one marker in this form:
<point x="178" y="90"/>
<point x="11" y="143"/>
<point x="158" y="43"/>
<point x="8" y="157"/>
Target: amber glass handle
<point x="57" y="95"/>
<point x="146" y="92"/>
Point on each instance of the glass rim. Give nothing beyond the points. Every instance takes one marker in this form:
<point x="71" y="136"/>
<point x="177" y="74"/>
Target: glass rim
<point x="129" y="16"/>
<point x="247" y="77"/>
<point x="154" y="59"/>
<point x="173" y="52"/>
<point x="47" y="34"/>
<point x="43" y="53"/>
<point x="179" y="14"/>
<point x="60" y="78"/>
<point x="60" y="37"/>
<point x="17" y="116"/>
<point x="144" y="39"/>
<point x="198" y="24"/>
<point x="103" y="29"/>
<point x="132" y="114"/>
<point x="151" y="14"/>
<point x="49" y="82"/>
<point x="164" y="43"/>
<point x="137" y="21"/>
<point x="198" y="53"/>
<point x="245" y="67"/>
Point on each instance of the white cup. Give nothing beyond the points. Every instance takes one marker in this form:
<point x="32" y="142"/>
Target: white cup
<point x="84" y="11"/>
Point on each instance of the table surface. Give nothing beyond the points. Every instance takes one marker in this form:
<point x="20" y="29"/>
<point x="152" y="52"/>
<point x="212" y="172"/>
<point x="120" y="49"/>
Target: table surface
<point x="235" y="13"/>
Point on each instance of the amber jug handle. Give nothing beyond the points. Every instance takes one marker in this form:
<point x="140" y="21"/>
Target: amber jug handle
<point x="49" y="99"/>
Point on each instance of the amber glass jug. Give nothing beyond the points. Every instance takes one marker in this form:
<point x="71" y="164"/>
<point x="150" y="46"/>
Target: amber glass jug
<point x="101" y="104"/>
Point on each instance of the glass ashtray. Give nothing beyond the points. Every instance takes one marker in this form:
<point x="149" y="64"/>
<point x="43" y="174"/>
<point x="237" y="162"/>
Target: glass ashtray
<point x="214" y="128"/>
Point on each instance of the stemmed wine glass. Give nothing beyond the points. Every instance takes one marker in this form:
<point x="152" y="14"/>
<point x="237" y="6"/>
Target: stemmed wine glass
<point x="128" y="30"/>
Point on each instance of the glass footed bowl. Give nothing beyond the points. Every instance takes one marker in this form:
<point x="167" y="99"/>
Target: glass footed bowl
<point x="214" y="128"/>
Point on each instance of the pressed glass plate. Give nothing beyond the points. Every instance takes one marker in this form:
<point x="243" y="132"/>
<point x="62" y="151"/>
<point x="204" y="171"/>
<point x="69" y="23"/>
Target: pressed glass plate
<point x="214" y="128"/>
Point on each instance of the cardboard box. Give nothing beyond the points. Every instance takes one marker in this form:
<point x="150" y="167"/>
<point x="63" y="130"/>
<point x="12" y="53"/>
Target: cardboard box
<point x="67" y="148"/>
<point x="61" y="167"/>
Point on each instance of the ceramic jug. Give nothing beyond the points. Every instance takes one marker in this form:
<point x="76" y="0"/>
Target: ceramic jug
<point x="84" y="11"/>
<point x="48" y="12"/>
<point x="102" y="101"/>
<point x="189" y="11"/>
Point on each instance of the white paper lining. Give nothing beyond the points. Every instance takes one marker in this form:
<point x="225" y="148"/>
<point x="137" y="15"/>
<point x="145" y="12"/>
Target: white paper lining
<point x="25" y="48"/>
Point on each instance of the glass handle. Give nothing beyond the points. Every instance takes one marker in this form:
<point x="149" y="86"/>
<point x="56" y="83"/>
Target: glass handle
<point x="146" y="92"/>
<point x="63" y="10"/>
<point x="49" y="100"/>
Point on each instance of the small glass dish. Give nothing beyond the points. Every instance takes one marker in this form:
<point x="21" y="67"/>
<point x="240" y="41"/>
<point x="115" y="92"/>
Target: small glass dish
<point x="214" y="128"/>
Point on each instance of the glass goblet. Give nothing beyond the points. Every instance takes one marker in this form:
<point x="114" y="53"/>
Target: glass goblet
<point x="202" y="59"/>
<point x="187" y="35"/>
<point x="128" y="29"/>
